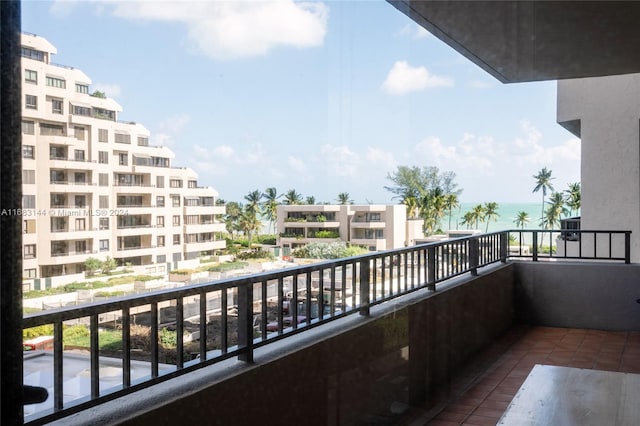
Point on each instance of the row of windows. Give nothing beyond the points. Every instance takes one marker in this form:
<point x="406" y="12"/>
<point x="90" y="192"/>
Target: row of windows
<point x="31" y="76"/>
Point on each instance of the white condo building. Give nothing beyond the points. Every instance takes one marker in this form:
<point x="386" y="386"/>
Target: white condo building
<point x="94" y="187"/>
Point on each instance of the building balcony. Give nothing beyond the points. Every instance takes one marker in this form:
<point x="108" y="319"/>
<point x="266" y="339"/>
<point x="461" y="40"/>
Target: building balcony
<point x="368" y="225"/>
<point x="130" y="230"/>
<point x="142" y="250"/>
<point x="393" y="337"/>
<point x="204" y="246"/>
<point x="57" y="140"/>
<point x="378" y="243"/>
<point x="61" y="258"/>
<point x="198" y="210"/>
<point x="204" y="227"/>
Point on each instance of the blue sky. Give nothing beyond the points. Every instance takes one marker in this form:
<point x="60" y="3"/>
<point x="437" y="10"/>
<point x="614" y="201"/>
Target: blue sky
<point x="321" y="97"/>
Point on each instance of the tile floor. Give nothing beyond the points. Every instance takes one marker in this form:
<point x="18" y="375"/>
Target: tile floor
<point x="484" y="396"/>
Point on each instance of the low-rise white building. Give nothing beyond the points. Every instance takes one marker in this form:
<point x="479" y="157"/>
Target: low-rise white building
<point x="376" y="226"/>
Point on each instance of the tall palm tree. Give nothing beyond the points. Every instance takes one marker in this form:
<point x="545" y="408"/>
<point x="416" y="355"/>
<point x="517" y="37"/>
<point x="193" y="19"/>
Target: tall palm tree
<point x="270" y="206"/>
<point x="233" y="211"/>
<point x="490" y="213"/>
<point x="477" y="215"/>
<point x="555" y="211"/>
<point x="292" y="197"/>
<point x="249" y="223"/>
<point x="344" y="199"/>
<point x="253" y="201"/>
<point x="431" y="208"/>
<point x="521" y="219"/>
<point x="311" y="200"/>
<point x="543" y="183"/>
<point x="468" y="220"/>
<point x="450" y="203"/>
<point x="572" y="197"/>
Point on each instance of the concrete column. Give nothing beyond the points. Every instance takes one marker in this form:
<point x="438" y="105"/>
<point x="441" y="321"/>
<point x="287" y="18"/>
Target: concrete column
<point x="605" y="113"/>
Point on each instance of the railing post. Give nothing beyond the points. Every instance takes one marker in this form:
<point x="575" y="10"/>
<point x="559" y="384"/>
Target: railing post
<point x="365" y="273"/>
<point x="245" y="322"/>
<point x="474" y="255"/>
<point x="431" y="268"/>
<point x="627" y="247"/>
<point x="504" y="246"/>
<point x="534" y="248"/>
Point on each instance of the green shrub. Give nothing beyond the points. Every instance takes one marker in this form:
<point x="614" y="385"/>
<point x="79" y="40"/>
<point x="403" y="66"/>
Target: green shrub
<point x="41" y="330"/>
<point x="228" y="266"/>
<point x="168" y="339"/>
<point x="326" y="234"/>
<point x="182" y="271"/>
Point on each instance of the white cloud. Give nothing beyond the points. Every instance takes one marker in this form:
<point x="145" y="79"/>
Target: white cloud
<point x="111" y="90"/>
<point x="380" y="158"/>
<point x="479" y="84"/>
<point x="236" y="29"/>
<point x="169" y="130"/>
<point x="403" y="79"/>
<point x="296" y="164"/>
<point x="339" y="160"/>
<point x="414" y="31"/>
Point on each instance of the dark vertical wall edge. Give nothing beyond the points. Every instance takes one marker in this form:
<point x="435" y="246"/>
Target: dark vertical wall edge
<point x="11" y="412"/>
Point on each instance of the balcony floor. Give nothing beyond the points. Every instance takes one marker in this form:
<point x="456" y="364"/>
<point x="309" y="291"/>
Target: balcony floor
<point x="484" y="390"/>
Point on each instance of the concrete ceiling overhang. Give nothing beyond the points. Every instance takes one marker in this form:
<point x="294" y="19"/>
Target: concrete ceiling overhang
<point x="519" y="41"/>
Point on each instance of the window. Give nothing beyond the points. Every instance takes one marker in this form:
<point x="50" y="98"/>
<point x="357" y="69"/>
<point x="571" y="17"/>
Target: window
<point x="192" y="201"/>
<point x="29" y="273"/>
<point x="123" y="159"/>
<point x="30" y="101"/>
<point x="51" y="129"/>
<point x="177" y="257"/>
<point x="160" y="161"/>
<point x="58" y="176"/>
<point x="28" y="177"/>
<point x="29" y="226"/>
<point x="81" y="246"/>
<point x="103" y="135"/>
<point x="82" y="88"/>
<point x="104" y="223"/>
<point x="81" y="224"/>
<point x="160" y="241"/>
<point x="103" y="201"/>
<point x="28" y="201"/>
<point x="27" y="151"/>
<point x="103" y="179"/>
<point x="143" y="141"/>
<point x="175" y="200"/>
<point x="80" y="201"/>
<point x="79" y="132"/>
<point x="159" y="181"/>
<point x="29" y="251"/>
<point x="58" y="200"/>
<point x="175" y="183"/>
<point x="103" y="157"/>
<point x="78" y="154"/>
<point x="31" y="76"/>
<point x="160" y="221"/>
<point x="122" y="138"/>
<point x="59" y="248"/>
<point x="58" y="224"/>
<point x="28" y="127"/>
<point x="104" y="114"/>
<point x="27" y="52"/>
<point x="161" y="258"/>
<point x="81" y="110"/>
<point x="56" y="82"/>
<point x="176" y="239"/>
<point x="104" y="245"/>
<point x="80" y="178"/>
<point x="160" y="201"/>
<point x="193" y="184"/>
<point x="57" y="152"/>
<point x="176" y="220"/>
<point x="56" y="106"/>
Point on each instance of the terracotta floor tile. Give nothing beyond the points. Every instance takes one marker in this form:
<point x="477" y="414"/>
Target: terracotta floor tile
<point x="451" y="416"/>
<point x="460" y="408"/>
<point x="497" y="396"/>
<point x="437" y="422"/>
<point x="495" y="405"/>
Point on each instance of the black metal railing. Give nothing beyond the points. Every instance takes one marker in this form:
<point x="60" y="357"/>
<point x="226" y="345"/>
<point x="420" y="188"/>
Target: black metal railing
<point x="233" y="317"/>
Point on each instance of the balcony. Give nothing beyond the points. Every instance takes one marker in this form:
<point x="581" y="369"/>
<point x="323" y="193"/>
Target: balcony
<point x="386" y="334"/>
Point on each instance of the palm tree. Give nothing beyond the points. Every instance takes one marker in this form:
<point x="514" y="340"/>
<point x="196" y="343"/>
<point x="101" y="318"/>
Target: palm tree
<point x="253" y="201"/>
<point x="477" y="215"/>
<point x="292" y="197"/>
<point x="450" y="203"/>
<point x="311" y="200"/>
<point x="521" y="219"/>
<point x="249" y="223"/>
<point x="490" y="213"/>
<point x="555" y="211"/>
<point x="431" y="208"/>
<point x="412" y="206"/>
<point x="543" y="182"/>
<point x="270" y="206"/>
<point x="343" y="198"/>
<point x="468" y="220"/>
<point x="233" y="211"/>
<point x="573" y="196"/>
